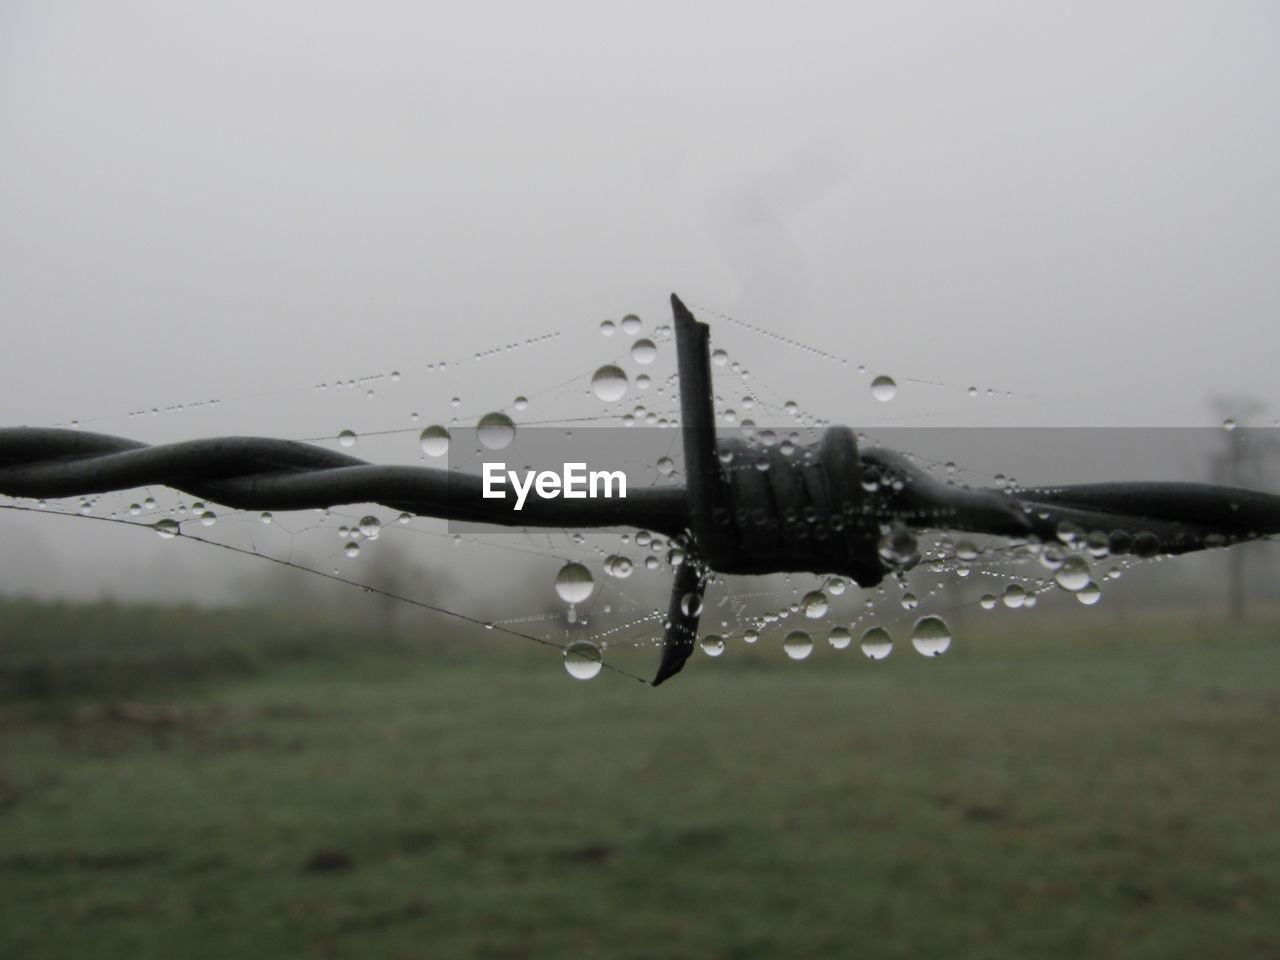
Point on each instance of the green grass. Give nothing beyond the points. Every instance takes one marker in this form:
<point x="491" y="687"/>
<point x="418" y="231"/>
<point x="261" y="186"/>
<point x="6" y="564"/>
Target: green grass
<point x="1089" y="789"/>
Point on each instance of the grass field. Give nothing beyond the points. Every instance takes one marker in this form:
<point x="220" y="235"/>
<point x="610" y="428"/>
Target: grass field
<point x="1085" y="789"/>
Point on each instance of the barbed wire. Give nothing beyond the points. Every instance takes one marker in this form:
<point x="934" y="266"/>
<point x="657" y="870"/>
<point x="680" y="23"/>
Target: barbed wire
<point x="825" y="508"/>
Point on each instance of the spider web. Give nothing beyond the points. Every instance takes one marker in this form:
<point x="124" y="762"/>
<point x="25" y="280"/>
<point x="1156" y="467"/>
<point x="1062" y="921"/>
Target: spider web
<point x="504" y="581"/>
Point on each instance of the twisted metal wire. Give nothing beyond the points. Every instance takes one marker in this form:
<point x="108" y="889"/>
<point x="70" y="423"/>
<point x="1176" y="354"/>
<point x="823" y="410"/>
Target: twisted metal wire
<point x="823" y="509"/>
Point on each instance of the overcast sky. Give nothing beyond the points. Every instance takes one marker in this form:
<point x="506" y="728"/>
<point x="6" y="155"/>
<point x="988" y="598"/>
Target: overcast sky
<point x="1074" y="203"/>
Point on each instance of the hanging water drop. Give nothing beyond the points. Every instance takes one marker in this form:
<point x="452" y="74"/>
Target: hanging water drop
<point x="609" y="383"/>
<point x="884" y="388"/>
<point x="798" y="644"/>
<point x="931" y="636"/>
<point x="583" y="660"/>
<point x="347" y="438"/>
<point x="877" y="643"/>
<point x="839" y="638"/>
<point x="574" y="583"/>
<point x="713" y="645"/>
<point x="521" y="403"/>
<point x="644" y="352"/>
<point x="1015" y="595"/>
<point x="815" y="604"/>
<point x="1089" y="594"/>
<point x="1073" y="575"/>
<point x="495" y="431"/>
<point x="434" y="441"/>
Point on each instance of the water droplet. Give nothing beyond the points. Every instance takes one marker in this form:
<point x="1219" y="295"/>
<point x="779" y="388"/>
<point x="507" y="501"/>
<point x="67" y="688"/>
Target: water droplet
<point x="583" y="660"/>
<point x="434" y="441"/>
<point x="618" y="566"/>
<point x="798" y="644"/>
<point x="370" y="527"/>
<point x="883" y="388"/>
<point x="910" y="601"/>
<point x="495" y="431"/>
<point x="988" y="602"/>
<point x="1070" y="533"/>
<point x="931" y="636"/>
<point x="1089" y="594"/>
<point x="167" y="528"/>
<point x="898" y="548"/>
<point x="266" y="517"/>
<point x="644" y="352"/>
<point x="691" y="604"/>
<point x="149" y="503"/>
<point x="877" y="643"/>
<point x="815" y="604"/>
<point x="719" y="357"/>
<point x="351" y="550"/>
<point x="1097" y="544"/>
<point x="521" y="403"/>
<point x="666" y="466"/>
<point x="839" y="638"/>
<point x="1073" y="575"/>
<point x="966" y="551"/>
<point x="1015" y="595"/>
<point x="750" y="635"/>
<point x="630" y="324"/>
<point x="347" y="438"/>
<point x="675" y="556"/>
<point x="574" y="583"/>
<point x="713" y="645"/>
<point x="1229" y="424"/>
<point x="208" y="518"/>
<point x="609" y="383"/>
<point x="1052" y="556"/>
<point x="642" y="382"/>
<point x="607" y="327"/>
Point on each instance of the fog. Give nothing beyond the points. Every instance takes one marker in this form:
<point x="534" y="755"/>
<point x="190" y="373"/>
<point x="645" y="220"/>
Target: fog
<point x="1074" y="206"/>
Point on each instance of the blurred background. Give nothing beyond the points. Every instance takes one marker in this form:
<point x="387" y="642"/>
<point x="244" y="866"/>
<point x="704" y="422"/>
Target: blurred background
<point x="1055" y="228"/>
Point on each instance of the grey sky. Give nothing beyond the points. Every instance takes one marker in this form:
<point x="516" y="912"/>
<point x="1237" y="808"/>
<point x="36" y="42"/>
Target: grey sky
<point x="1075" y="203"/>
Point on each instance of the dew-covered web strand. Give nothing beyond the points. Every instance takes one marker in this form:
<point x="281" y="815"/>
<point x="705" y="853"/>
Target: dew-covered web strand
<point x="337" y="578"/>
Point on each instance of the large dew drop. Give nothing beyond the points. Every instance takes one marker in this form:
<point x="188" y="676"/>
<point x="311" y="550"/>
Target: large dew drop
<point x="1073" y="575"/>
<point x="798" y="644"/>
<point x="713" y="645"/>
<point x="883" y="388"/>
<point x="877" y="643"/>
<point x="839" y="638"/>
<point x="347" y="438"/>
<point x="644" y="352"/>
<point x="630" y="324"/>
<point x="574" y="583"/>
<point x="434" y="441"/>
<point x="931" y="636"/>
<point x="609" y="383"/>
<point x="495" y="431"/>
<point x="814" y="604"/>
<point x="167" y="529"/>
<point x="583" y="660"/>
